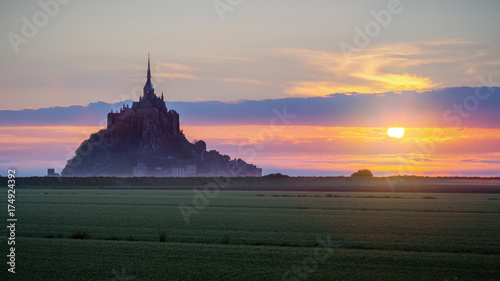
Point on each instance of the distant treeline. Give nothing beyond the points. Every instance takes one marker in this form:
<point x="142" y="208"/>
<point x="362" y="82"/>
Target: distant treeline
<point x="237" y="182"/>
<point x="167" y="181"/>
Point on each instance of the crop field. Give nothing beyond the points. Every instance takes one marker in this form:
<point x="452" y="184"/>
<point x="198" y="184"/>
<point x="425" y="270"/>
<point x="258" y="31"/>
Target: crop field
<point x="132" y="234"/>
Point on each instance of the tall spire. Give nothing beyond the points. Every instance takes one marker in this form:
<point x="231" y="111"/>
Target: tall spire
<point x="148" y="88"/>
<point x="149" y="70"/>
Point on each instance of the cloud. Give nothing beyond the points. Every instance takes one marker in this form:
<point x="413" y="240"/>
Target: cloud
<point x="430" y="109"/>
<point x="387" y="68"/>
<point x="178" y="76"/>
<point x="174" y="66"/>
<point x="243" y="80"/>
<point x="439" y="108"/>
<point x="212" y="58"/>
<point x="323" y="88"/>
<point x="179" y="71"/>
<point x="449" y="41"/>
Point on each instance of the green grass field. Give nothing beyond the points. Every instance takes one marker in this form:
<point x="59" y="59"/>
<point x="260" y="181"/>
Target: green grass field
<point x="255" y="235"/>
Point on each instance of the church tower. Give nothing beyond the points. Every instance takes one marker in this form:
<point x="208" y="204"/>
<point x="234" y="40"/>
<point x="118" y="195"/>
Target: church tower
<point x="149" y="91"/>
<point x="149" y="117"/>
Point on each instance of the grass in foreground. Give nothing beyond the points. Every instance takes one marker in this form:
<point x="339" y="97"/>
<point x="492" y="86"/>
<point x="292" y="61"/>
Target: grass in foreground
<point x="66" y="259"/>
<point x="244" y="235"/>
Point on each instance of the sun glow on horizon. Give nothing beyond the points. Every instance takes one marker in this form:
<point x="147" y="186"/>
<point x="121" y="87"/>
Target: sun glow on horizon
<point x="396" y="132"/>
<point x="299" y="150"/>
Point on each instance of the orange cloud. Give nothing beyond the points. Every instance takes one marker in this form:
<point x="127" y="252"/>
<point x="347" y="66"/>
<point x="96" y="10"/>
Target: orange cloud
<point x="324" y="88"/>
<point x="176" y="71"/>
<point x="174" y="66"/>
<point x="46" y="134"/>
<point x="396" y="82"/>
<point x="387" y="68"/>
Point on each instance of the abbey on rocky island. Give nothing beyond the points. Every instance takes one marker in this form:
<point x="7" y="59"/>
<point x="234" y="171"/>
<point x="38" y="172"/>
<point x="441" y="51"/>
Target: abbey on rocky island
<point x="146" y="140"/>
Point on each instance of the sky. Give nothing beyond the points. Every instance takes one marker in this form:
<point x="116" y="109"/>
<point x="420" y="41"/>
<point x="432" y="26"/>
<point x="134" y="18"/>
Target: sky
<point x="331" y="57"/>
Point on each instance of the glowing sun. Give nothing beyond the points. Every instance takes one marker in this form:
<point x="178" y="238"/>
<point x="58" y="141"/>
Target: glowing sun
<point x="396" y="132"/>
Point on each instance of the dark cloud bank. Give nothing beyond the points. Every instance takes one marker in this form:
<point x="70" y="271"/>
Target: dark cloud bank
<point x="450" y="107"/>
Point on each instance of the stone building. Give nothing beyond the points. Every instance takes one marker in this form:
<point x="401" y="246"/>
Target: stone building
<point x="148" y="118"/>
<point x="145" y="139"/>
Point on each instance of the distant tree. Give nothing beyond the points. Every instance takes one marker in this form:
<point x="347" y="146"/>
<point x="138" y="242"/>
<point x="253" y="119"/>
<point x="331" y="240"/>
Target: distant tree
<point x="363" y="174"/>
<point x="276" y="176"/>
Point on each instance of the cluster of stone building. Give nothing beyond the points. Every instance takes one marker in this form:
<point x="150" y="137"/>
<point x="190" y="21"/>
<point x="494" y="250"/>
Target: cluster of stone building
<point x="145" y="140"/>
